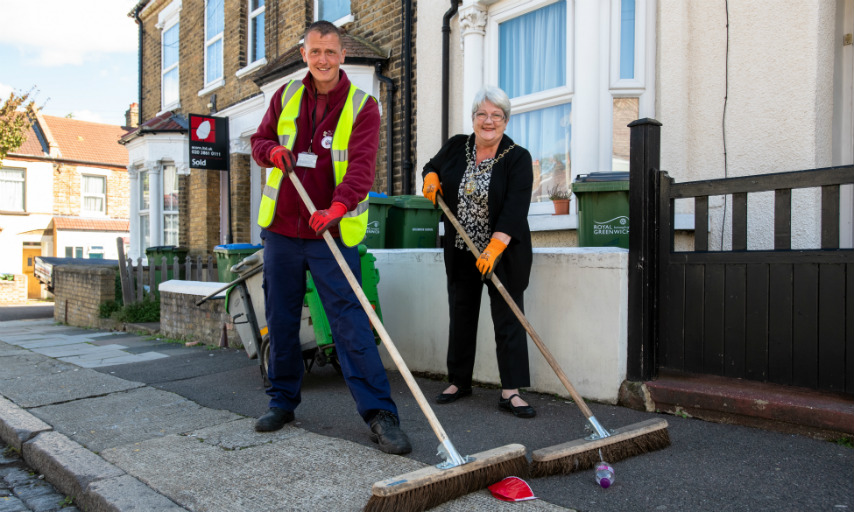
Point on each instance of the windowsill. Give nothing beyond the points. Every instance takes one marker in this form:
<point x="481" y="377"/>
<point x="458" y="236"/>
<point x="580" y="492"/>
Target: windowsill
<point x="170" y="108"/>
<point x="212" y="87"/>
<point x="552" y="222"/>
<point x="250" y="68"/>
<point x="13" y="212"/>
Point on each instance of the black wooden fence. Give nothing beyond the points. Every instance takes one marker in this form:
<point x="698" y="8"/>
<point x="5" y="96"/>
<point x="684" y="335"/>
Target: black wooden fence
<point x="783" y="316"/>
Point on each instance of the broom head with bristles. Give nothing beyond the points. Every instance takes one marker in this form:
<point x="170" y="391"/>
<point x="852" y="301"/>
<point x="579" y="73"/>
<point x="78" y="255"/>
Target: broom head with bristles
<point x="427" y="487"/>
<point x="635" y="439"/>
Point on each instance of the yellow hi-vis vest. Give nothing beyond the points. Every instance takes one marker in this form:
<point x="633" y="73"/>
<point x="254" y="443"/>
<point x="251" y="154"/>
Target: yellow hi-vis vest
<point x="354" y="224"/>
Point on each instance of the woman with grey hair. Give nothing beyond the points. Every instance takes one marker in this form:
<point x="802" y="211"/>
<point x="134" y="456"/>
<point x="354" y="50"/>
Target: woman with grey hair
<point x="486" y="181"/>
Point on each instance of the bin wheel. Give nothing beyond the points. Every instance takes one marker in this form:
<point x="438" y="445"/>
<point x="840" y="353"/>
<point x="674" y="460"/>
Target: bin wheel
<point x="264" y="355"/>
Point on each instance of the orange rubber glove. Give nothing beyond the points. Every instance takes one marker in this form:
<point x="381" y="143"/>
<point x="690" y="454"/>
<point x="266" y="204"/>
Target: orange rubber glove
<point x="432" y="187"/>
<point x="489" y="257"/>
<point x="283" y="158"/>
<point x="321" y="220"/>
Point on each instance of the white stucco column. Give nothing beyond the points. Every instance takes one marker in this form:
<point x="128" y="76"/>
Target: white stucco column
<point x="155" y="208"/>
<point x="473" y="30"/>
<point x="135" y="239"/>
<point x="585" y="102"/>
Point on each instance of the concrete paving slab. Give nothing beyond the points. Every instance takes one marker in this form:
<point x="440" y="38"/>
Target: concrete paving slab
<point x="61" y="387"/>
<point x="75" y="349"/>
<point x="296" y="470"/>
<point x="17" y="426"/>
<point x="111" y="358"/>
<point x="66" y="464"/>
<point x="124" y="494"/>
<point x="120" y="418"/>
<point x="42" y="343"/>
<point x="18" y="364"/>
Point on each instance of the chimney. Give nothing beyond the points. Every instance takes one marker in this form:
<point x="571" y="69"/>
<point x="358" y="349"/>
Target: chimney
<point x="132" y="116"/>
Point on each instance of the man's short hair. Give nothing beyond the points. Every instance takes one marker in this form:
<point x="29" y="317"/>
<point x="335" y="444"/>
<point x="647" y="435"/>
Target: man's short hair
<point x="324" y="27"/>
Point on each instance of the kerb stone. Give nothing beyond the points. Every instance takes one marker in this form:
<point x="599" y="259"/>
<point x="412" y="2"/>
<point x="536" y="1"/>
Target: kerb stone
<point x="17" y="426"/>
<point x="66" y="464"/>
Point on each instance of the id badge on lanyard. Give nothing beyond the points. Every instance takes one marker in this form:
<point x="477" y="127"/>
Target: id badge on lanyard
<point x="307" y="159"/>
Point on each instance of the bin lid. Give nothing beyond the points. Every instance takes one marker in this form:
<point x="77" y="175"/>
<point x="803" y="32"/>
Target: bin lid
<point x="238" y="248"/>
<point x="601" y="182"/>
<point x="379" y="199"/>
<point x="165" y="248"/>
<point x="602" y="176"/>
<point x="413" y="202"/>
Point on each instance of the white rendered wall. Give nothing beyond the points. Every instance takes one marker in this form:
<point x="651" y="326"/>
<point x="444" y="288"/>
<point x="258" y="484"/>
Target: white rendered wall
<point x="577" y="302"/>
<point x="38" y="203"/>
<point x="779" y="101"/>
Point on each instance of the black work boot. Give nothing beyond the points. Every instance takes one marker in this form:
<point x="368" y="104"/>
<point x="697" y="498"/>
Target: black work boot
<point x="274" y="419"/>
<point x="385" y="431"/>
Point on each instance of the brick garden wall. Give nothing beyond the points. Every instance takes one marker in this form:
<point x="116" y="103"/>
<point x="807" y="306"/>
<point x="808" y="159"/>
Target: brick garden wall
<point x="79" y="292"/>
<point x="14" y="292"/>
<point x="181" y="319"/>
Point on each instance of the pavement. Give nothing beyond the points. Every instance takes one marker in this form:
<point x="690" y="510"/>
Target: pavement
<point x="124" y="421"/>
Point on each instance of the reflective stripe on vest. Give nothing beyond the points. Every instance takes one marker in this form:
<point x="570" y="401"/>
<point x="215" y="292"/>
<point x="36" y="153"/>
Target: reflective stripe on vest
<point x="287" y="130"/>
<point x="354" y="224"/>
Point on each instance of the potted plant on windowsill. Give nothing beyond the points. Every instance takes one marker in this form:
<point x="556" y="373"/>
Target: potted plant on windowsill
<point x="560" y="199"/>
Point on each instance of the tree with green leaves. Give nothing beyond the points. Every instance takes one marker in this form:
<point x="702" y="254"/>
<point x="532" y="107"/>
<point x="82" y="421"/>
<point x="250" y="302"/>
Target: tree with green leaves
<point x="16" y="117"/>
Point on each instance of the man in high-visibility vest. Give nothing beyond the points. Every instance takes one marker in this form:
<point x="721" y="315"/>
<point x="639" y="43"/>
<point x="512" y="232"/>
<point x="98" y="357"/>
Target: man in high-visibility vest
<point x="326" y="131"/>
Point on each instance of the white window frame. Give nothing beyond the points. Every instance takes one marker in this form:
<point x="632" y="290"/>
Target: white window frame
<point x="507" y="10"/>
<point x="251" y="31"/>
<point x="591" y="146"/>
<point x="633" y="86"/>
<point x="340" y="21"/>
<point x="23" y="189"/>
<point x="218" y="37"/>
<point x="84" y="194"/>
<point x="166" y="19"/>
<point x="164" y="212"/>
<point x="144" y="212"/>
<point x="250" y="64"/>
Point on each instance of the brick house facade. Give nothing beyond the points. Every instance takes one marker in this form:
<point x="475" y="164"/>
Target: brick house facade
<point x="250" y="75"/>
<point x="65" y="194"/>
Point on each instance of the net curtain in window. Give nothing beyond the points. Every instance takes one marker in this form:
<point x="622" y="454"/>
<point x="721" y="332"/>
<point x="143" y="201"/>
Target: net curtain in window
<point x="532" y="51"/>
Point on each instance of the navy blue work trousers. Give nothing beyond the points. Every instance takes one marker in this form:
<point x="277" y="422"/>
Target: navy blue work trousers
<point x="286" y="260"/>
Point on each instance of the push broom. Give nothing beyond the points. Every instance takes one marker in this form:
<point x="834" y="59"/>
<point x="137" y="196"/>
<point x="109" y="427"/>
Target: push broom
<point x="433" y="485"/>
<point x="635" y="439"/>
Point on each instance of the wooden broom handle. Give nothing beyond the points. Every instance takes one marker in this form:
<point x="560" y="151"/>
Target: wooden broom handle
<point x="518" y="312"/>
<point x="375" y="320"/>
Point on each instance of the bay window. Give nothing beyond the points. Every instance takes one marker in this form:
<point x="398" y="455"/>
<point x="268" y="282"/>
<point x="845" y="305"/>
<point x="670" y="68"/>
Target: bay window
<point x="170" y="205"/>
<point x="577" y="72"/>
<point x="144" y="210"/>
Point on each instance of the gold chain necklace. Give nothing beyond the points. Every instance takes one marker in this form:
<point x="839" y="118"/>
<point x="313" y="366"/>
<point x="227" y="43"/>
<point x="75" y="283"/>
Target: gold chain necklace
<point x="470" y="184"/>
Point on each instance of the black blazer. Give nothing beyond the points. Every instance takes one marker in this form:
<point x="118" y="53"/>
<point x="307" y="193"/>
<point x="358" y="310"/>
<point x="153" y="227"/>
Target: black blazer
<point x="509" y="198"/>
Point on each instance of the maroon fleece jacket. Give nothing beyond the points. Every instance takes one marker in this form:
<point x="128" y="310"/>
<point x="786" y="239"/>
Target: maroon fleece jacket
<point x="292" y="216"/>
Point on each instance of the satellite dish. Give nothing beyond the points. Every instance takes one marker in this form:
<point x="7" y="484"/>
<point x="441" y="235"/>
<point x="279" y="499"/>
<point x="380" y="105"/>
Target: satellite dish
<point x="203" y="130"/>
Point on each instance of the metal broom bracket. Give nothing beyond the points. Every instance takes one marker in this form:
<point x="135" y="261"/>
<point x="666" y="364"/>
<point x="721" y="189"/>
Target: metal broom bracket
<point x="452" y="457"/>
<point x="601" y="432"/>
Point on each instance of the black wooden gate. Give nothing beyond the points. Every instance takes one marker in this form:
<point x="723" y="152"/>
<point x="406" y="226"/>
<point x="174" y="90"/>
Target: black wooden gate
<point x="783" y="316"/>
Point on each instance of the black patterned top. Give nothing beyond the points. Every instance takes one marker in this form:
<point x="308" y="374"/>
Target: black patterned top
<point x="473" y="210"/>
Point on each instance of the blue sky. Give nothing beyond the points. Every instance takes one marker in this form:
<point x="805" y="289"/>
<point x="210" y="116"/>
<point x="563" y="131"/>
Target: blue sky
<point x="81" y="55"/>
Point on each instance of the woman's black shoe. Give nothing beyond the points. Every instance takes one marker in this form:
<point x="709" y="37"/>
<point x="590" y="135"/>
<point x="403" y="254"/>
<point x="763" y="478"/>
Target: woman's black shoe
<point x="524" y="411"/>
<point x="446" y="398"/>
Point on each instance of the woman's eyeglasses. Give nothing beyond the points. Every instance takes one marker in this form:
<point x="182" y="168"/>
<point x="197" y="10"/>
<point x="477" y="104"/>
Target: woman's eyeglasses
<point x="482" y="116"/>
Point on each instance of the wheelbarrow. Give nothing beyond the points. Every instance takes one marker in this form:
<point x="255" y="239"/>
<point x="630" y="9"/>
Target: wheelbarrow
<point x="244" y="301"/>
